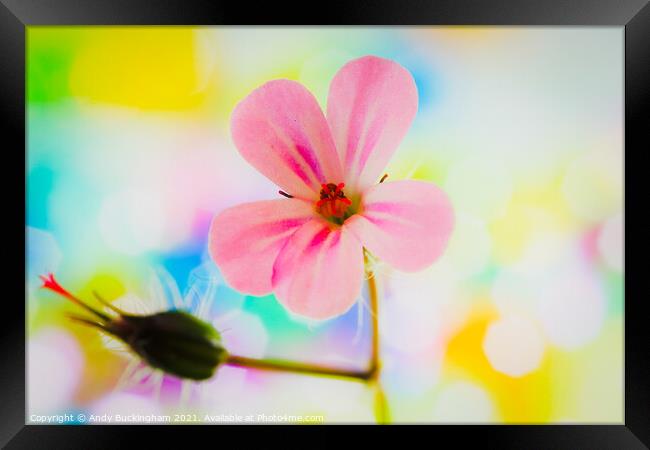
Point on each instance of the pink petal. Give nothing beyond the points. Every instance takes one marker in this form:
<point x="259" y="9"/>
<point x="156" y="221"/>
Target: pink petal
<point x="405" y="223"/>
<point x="245" y="240"/>
<point x="372" y="102"/>
<point x="319" y="272"/>
<point x="281" y="131"/>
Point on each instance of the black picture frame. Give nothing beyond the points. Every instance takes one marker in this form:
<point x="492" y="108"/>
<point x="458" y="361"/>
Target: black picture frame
<point x="633" y="15"/>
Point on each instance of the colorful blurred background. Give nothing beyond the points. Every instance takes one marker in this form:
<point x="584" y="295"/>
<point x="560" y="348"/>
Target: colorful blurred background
<point x="521" y="321"/>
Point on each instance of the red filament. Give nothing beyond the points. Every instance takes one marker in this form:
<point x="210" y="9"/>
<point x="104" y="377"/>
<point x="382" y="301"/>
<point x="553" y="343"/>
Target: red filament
<point x="333" y="202"/>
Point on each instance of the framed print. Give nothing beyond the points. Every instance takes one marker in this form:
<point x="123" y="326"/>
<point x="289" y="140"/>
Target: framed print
<point x="404" y="216"/>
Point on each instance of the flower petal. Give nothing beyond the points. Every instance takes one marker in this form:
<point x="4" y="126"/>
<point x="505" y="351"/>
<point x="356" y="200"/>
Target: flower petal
<point x="405" y="223"/>
<point x="245" y="240"/>
<point x="319" y="272"/>
<point x="372" y="102"/>
<point x="281" y="131"/>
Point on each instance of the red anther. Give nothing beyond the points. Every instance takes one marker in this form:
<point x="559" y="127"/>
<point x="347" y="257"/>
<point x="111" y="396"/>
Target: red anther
<point x="330" y="196"/>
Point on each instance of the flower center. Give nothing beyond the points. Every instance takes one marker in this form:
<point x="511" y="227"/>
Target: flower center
<point x="333" y="203"/>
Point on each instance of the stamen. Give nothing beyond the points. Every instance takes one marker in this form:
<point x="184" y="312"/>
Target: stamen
<point x="285" y="194"/>
<point x="383" y="178"/>
<point x="333" y="203"/>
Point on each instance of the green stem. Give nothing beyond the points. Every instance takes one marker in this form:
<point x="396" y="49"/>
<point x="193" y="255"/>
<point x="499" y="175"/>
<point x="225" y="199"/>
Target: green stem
<point x="381" y="404"/>
<point x="296" y="367"/>
<point x="370" y="375"/>
<point x="374" y="349"/>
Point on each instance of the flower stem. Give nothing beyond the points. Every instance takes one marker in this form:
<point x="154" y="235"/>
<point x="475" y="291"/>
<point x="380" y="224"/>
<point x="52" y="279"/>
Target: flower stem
<point x="382" y="413"/>
<point x="381" y="404"/>
<point x="374" y="351"/>
<point x="297" y="367"/>
<point x="370" y="375"/>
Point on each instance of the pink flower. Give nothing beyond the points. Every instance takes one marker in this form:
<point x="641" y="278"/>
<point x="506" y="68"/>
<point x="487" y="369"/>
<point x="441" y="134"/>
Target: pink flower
<point x="308" y="249"/>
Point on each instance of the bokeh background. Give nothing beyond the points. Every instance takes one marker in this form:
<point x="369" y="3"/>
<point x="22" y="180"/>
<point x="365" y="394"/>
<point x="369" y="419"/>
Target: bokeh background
<point x="521" y="321"/>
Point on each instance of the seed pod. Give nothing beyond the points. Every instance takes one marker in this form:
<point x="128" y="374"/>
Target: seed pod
<point x="174" y="341"/>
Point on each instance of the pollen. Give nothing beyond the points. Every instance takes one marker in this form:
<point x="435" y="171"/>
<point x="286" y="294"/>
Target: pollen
<point x="333" y="203"/>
